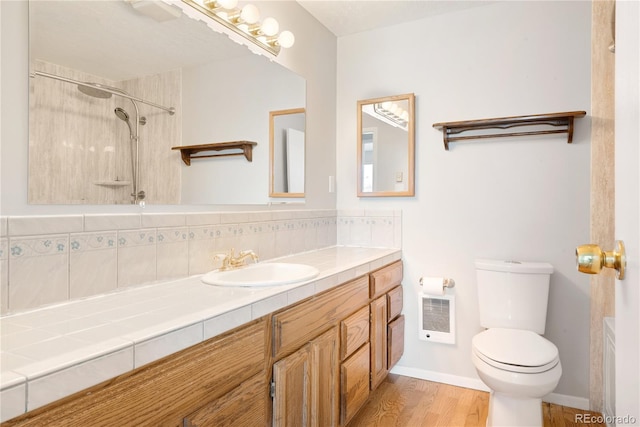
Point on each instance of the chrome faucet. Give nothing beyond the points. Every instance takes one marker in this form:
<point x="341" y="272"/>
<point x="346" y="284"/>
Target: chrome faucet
<point x="231" y="261"/>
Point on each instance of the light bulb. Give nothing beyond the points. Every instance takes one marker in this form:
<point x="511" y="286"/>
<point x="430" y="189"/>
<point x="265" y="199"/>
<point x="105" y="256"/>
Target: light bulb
<point x="286" y="39"/>
<point x="386" y="105"/>
<point x="227" y="4"/>
<point x="405" y="116"/>
<point x="270" y="27"/>
<point x="250" y="14"/>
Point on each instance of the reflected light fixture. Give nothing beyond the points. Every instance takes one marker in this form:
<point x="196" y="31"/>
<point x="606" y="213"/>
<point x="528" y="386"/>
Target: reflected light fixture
<point x="392" y="111"/>
<point x="245" y="21"/>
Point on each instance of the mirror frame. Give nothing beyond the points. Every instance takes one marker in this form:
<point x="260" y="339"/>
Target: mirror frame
<point x="410" y="191"/>
<point x="272" y="116"/>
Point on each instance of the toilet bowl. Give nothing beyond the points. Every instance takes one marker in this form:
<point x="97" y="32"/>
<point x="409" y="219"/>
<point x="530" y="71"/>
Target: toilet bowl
<point x="520" y="367"/>
<point x="511" y="356"/>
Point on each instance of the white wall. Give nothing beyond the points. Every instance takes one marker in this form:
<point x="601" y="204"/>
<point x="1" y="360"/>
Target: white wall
<point x="229" y="101"/>
<point x="524" y="199"/>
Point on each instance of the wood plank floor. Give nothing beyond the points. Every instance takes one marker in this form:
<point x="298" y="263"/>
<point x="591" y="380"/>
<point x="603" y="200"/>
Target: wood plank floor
<point x="410" y="402"/>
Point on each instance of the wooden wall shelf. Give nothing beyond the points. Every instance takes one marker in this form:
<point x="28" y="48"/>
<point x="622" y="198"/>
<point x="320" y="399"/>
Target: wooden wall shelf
<point x="188" y="151"/>
<point x="564" y="121"/>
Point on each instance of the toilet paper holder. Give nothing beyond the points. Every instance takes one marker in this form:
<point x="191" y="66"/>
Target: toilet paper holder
<point x="446" y="283"/>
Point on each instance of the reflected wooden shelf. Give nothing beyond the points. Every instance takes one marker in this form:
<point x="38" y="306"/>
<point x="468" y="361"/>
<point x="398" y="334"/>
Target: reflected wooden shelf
<point x="112" y="183"/>
<point x="562" y="120"/>
<point x="187" y="151"/>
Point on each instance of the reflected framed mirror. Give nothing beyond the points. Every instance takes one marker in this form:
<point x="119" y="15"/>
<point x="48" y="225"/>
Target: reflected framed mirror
<point x="386" y="146"/>
<point x="287" y="153"/>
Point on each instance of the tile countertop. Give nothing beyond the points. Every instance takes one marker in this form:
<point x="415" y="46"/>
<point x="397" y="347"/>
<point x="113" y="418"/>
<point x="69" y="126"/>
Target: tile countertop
<point x="59" y="350"/>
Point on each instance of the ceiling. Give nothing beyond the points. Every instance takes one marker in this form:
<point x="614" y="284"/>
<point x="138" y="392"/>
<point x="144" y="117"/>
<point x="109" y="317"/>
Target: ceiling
<point x="345" y="17"/>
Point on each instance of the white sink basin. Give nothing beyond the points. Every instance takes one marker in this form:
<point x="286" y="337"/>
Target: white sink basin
<point x="262" y="274"/>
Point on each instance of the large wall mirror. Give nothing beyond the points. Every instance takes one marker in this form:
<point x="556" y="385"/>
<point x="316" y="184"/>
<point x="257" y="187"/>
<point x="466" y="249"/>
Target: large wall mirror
<point x="386" y="144"/>
<point x="186" y="85"/>
<point x="287" y="152"/>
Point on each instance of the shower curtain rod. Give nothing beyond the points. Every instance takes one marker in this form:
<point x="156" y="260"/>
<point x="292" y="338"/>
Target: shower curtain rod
<point x="170" y="110"/>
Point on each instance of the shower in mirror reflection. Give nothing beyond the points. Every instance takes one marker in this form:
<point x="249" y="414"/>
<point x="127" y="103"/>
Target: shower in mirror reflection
<point x="86" y="111"/>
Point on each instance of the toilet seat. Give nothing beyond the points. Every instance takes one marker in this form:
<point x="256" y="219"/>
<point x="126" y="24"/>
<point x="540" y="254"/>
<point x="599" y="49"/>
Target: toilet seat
<point x="515" y="350"/>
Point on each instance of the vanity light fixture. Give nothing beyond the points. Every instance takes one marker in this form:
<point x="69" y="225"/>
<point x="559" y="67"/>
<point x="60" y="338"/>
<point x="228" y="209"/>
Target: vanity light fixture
<point x="245" y="21"/>
<point x="392" y="111"/>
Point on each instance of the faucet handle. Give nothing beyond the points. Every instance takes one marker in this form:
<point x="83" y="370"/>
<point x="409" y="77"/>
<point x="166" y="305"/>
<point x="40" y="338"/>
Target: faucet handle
<point x="224" y="257"/>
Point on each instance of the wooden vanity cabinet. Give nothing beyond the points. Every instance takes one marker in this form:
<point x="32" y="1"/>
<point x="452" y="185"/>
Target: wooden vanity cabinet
<point x="307" y="354"/>
<point x="387" y="322"/>
<point x="329" y="351"/>
<point x="310" y="364"/>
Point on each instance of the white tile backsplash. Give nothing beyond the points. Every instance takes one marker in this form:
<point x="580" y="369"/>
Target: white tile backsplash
<point x="100" y="222"/>
<point x="38" y="271"/>
<point x="78" y="256"/>
<point x="33" y="225"/>
<point x="92" y="264"/>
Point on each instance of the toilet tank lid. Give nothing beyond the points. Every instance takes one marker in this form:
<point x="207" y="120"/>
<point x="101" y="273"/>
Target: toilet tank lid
<point x="514" y="266"/>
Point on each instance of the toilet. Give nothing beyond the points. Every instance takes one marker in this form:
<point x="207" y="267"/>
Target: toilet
<point x="511" y="357"/>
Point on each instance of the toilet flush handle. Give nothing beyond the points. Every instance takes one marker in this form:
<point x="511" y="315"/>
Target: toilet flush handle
<point x="591" y="259"/>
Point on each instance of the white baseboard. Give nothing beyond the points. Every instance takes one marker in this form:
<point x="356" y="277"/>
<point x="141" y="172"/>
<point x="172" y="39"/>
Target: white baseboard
<point x="477" y="384"/>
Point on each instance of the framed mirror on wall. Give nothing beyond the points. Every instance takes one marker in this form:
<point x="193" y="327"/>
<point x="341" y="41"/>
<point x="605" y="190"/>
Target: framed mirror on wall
<point x="287" y="153"/>
<point x="386" y="146"/>
<point x="89" y="144"/>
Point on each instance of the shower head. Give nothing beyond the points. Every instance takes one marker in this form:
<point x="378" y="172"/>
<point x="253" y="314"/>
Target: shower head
<point x="124" y="116"/>
<point x="95" y="92"/>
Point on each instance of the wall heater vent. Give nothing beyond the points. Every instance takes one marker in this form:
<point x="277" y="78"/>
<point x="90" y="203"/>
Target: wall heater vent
<point x="437" y="318"/>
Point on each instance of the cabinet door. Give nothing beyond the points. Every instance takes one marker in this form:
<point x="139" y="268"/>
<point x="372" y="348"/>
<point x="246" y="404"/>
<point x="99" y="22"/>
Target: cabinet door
<point x="324" y="379"/>
<point x="292" y="389"/>
<point x="379" y="367"/>
<point x="396" y="341"/>
<point x="245" y="406"/>
<point x="354" y="383"/>
<point x="306" y="387"/>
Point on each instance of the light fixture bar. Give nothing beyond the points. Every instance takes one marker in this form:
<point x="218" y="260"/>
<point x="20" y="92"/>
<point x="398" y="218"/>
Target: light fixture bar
<point x="230" y="20"/>
<point x="391" y="115"/>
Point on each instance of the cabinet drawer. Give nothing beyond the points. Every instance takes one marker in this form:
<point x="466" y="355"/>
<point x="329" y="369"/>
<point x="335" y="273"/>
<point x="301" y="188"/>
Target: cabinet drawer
<point x="396" y="341"/>
<point x="394" y="302"/>
<point x="386" y="279"/>
<point x="354" y="331"/>
<point x="354" y="384"/>
<point x="295" y="326"/>
<point x="243" y="406"/>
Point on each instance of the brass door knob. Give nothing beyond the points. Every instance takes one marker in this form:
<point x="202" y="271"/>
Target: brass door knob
<point x="591" y="259"/>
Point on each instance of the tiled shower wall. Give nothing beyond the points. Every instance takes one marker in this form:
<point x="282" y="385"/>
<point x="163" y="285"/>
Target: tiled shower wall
<point x="51" y="259"/>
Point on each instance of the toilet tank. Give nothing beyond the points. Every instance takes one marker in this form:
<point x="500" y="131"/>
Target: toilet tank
<point x="513" y="294"/>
